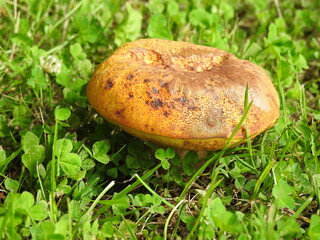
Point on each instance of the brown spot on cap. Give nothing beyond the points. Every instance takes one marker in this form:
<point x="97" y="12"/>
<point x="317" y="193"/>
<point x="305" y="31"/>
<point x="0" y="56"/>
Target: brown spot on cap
<point x="155" y="90"/>
<point x="156" y="103"/>
<point x="129" y="77"/>
<point x="120" y="113"/>
<point x="192" y="108"/>
<point x="165" y="113"/>
<point x="183" y="100"/>
<point x="163" y="84"/>
<point x="109" y="84"/>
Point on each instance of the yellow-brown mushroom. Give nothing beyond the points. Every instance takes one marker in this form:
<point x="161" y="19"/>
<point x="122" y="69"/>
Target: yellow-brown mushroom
<point x="182" y="95"/>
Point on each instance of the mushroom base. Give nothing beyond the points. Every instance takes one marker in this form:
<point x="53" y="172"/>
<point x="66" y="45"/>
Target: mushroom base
<point x="208" y="144"/>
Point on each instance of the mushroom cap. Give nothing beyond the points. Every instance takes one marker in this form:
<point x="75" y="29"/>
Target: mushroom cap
<point x="182" y="95"/>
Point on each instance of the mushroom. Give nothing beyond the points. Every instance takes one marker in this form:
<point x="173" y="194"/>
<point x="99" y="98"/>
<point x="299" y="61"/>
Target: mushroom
<point x="182" y="95"/>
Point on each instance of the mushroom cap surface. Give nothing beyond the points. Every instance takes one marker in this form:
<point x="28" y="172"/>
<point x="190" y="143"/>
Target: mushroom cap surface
<point x="182" y="95"/>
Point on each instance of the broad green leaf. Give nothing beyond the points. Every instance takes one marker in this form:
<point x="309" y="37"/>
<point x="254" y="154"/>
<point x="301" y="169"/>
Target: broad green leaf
<point x="138" y="199"/>
<point x="38" y="79"/>
<point x="289" y="227"/>
<point x="61" y="227"/>
<point x="39" y="211"/>
<point x="62" y="114"/>
<point x="63" y="189"/>
<point x="24" y="203"/>
<point x="28" y="141"/>
<point x="89" y="30"/>
<point x="33" y="157"/>
<point x="100" y="150"/>
<point x="107" y="230"/>
<point x="76" y="51"/>
<point x="158" y="27"/>
<point x="87" y="164"/>
<point x="79" y="82"/>
<point x="120" y="205"/>
<point x="156" y="200"/>
<point x="11" y="185"/>
<point x="21" y="39"/>
<point x="281" y="192"/>
<point x="64" y="77"/>
<point x="300" y="62"/>
<point x="75" y="210"/>
<point x="225" y="220"/>
<point x="63" y="146"/>
<point x="128" y="227"/>
<point x="112" y="172"/>
<point x="136" y="148"/>
<point x="42" y="230"/>
<point x="188" y="162"/>
<point x="170" y="153"/>
<point x="130" y="27"/>
<point x="155" y="6"/>
<point x="85" y="68"/>
<point x="314" y="228"/>
<point x="78" y="176"/>
<point x="70" y="163"/>
<point x="172" y="8"/>
<point x="132" y="162"/>
<point x="21" y="116"/>
<point x="158" y="209"/>
<point x="133" y="23"/>
<point x="272" y="34"/>
<point x="199" y="17"/>
<point x="176" y="173"/>
<point x="228" y="10"/>
<point x="160" y="154"/>
<point x="166" y="164"/>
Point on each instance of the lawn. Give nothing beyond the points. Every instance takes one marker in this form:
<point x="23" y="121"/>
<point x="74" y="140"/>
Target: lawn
<point x="68" y="174"/>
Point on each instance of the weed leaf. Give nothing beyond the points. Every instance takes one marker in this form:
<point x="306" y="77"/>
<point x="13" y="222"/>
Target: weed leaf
<point x="62" y="114"/>
<point x="188" y="162"/>
<point x="24" y="203"/>
<point x="157" y="27"/>
<point x="63" y="147"/>
<point x="70" y="163"/>
<point x="34" y="153"/>
<point x="39" y="211"/>
<point x="314" y="228"/>
<point x="100" y="150"/>
<point x="281" y="192"/>
<point x="160" y="154"/>
<point x="225" y="220"/>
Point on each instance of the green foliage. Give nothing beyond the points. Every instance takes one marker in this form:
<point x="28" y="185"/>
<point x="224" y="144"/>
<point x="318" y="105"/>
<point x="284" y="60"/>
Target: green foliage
<point x="281" y="192"/>
<point x="67" y="174"/>
<point x="164" y="156"/>
<point x="34" y="153"/>
<point x="220" y="218"/>
<point x="314" y="230"/>
<point x="69" y="162"/>
<point x="100" y="150"/>
<point x="158" y="27"/>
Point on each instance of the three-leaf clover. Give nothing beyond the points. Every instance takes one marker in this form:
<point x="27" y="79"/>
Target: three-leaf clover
<point x="164" y="156"/>
<point x="69" y="162"/>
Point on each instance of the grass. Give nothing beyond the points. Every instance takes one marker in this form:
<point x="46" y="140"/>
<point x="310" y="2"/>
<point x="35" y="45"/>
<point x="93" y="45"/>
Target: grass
<point x="65" y="173"/>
